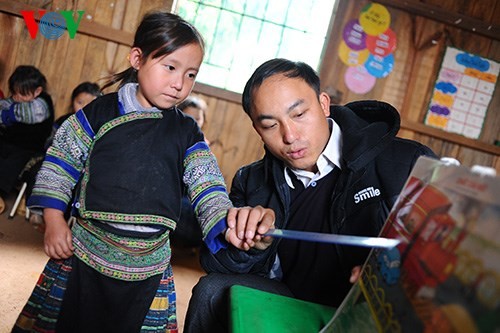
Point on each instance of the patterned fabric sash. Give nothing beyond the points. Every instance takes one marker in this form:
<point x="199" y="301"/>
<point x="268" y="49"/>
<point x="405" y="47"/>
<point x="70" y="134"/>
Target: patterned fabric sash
<point x="123" y="258"/>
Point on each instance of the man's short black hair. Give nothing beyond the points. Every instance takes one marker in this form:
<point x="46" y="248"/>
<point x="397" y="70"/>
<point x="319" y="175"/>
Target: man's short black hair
<point x="288" y="68"/>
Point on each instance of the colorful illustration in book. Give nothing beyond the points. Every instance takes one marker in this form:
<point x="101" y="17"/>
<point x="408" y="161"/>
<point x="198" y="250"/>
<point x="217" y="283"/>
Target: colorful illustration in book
<point x="444" y="276"/>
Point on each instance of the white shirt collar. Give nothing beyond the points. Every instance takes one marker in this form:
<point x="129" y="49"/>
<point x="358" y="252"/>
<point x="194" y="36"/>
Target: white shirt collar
<point x="327" y="161"/>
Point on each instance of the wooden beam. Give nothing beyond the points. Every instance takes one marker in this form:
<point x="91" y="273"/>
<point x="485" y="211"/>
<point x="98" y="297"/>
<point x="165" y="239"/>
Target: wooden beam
<point x="449" y="137"/>
<point x="89" y="28"/>
<point x="219" y="93"/>
<point x="440" y="15"/>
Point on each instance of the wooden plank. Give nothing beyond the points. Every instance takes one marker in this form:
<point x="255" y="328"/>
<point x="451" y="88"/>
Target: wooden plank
<point x="451" y="18"/>
<point x="469" y="157"/>
<point x="223" y="94"/>
<point x="70" y="66"/>
<point x="490" y="131"/>
<point x="451" y="137"/>
<point x="424" y="65"/>
<point x="234" y="142"/>
<point x="89" y="28"/>
<point x="332" y="69"/>
<point x="11" y="26"/>
<point x="111" y="52"/>
<point x="398" y="80"/>
<point x="93" y="64"/>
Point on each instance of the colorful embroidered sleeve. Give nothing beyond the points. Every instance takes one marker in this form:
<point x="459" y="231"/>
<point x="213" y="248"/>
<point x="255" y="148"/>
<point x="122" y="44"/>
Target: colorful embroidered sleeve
<point x="33" y="112"/>
<point x="63" y="164"/>
<point x="207" y="190"/>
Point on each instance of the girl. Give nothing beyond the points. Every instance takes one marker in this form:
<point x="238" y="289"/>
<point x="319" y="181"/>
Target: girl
<point x="131" y="153"/>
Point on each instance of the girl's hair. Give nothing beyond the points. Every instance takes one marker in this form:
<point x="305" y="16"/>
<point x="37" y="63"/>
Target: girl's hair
<point x="26" y="79"/>
<point x="86" y="87"/>
<point x="159" y="34"/>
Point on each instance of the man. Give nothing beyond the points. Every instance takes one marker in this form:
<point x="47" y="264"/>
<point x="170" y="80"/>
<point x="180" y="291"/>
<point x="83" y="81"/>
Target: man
<point x="332" y="175"/>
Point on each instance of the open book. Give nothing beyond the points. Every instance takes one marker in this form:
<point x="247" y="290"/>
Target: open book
<point x="444" y="276"/>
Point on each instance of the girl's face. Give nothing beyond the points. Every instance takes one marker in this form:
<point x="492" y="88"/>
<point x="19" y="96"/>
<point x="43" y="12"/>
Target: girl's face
<point x="168" y="80"/>
<point x="81" y="100"/>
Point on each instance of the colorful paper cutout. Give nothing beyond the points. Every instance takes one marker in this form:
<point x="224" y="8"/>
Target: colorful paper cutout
<point x="379" y="67"/>
<point x="358" y="80"/>
<point x="382" y="44"/>
<point x="375" y="19"/>
<point x="354" y="36"/>
<point x="368" y="42"/>
<point x="351" y="57"/>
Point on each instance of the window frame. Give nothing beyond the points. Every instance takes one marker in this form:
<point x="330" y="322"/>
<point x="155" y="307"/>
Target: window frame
<point x="235" y="97"/>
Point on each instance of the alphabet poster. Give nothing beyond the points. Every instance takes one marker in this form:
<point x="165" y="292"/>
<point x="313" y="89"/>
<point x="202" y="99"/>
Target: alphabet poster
<point x="462" y="93"/>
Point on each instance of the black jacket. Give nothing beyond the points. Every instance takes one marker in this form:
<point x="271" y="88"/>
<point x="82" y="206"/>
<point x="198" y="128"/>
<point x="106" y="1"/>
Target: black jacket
<point x="372" y="157"/>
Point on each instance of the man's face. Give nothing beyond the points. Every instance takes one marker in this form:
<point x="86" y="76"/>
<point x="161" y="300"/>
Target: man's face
<point x="291" y="120"/>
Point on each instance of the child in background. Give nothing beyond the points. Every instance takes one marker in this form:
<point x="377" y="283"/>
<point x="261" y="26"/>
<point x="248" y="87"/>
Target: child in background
<point x="25" y="124"/>
<point x="196" y="108"/>
<point x="83" y="94"/>
<point x="133" y="152"/>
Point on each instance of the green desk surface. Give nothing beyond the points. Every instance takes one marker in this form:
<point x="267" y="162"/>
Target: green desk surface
<point x="258" y="311"/>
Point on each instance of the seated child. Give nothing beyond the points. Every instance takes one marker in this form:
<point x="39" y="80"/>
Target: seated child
<point x="26" y="119"/>
<point x="83" y="94"/>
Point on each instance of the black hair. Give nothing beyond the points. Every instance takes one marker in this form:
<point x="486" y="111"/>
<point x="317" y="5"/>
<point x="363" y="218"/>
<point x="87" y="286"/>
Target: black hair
<point x="26" y="79"/>
<point x="194" y="102"/>
<point x="288" y="68"/>
<point x="160" y="33"/>
<point x="191" y="101"/>
<point x="86" y="87"/>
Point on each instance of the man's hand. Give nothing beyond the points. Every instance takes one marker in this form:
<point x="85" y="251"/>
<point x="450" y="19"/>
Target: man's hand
<point x="355" y="274"/>
<point x="58" y="240"/>
<point x="246" y="225"/>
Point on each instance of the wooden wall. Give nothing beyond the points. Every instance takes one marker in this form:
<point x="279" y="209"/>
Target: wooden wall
<point x="91" y="56"/>
<point x="232" y="137"/>
<point x="106" y="32"/>
<point x="99" y="49"/>
<point x="424" y="29"/>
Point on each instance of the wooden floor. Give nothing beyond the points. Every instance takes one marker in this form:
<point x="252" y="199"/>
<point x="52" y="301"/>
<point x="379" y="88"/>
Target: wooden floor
<point x="22" y="259"/>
